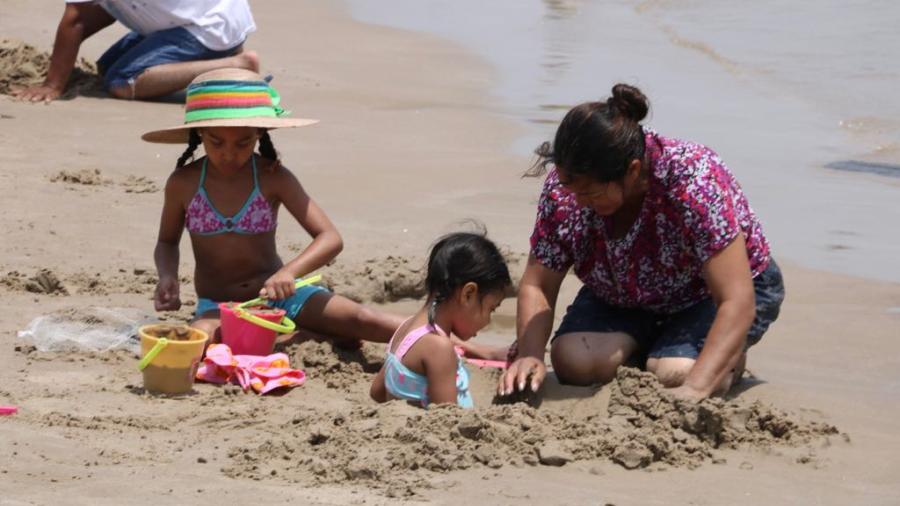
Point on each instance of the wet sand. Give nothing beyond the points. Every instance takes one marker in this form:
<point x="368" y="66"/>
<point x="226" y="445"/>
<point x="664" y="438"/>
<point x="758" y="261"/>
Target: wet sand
<point x="795" y="104"/>
<point x="87" y="433"/>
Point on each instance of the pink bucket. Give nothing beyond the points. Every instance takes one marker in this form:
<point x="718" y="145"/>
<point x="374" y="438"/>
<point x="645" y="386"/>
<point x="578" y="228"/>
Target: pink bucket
<point x="245" y="337"/>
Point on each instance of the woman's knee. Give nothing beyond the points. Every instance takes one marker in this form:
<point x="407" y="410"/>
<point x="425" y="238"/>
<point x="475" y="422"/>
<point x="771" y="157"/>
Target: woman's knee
<point x="588" y="359"/>
<point x="671" y="371"/>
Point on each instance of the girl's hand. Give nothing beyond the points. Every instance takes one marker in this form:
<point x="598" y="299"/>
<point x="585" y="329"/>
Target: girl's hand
<point x="477" y="350"/>
<point x="279" y="286"/>
<point x="167" y="297"/>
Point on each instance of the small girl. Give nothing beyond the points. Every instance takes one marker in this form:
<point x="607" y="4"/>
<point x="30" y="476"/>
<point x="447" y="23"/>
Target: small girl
<point x="467" y="279"/>
<point x="229" y="201"/>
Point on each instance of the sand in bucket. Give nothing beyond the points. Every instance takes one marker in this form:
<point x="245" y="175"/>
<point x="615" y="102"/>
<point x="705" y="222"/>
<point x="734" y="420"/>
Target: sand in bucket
<point x="251" y="328"/>
<point x="246" y="337"/>
<point x="171" y="355"/>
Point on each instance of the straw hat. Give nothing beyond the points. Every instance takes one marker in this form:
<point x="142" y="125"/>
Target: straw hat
<point x="228" y="98"/>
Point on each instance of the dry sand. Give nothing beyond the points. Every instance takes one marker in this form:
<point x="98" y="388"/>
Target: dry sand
<point x="22" y="64"/>
<point x="405" y="152"/>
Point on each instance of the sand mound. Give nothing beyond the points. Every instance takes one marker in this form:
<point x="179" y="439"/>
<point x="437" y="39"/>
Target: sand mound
<point x="389" y="279"/>
<point x="121" y="281"/>
<point x="338" y="368"/>
<point x="88" y="177"/>
<point x="93" y="177"/>
<point x="683" y="433"/>
<point x="22" y="65"/>
<point x="396" y="447"/>
<point x="377" y="280"/>
<point x="139" y="184"/>
<point x="44" y="281"/>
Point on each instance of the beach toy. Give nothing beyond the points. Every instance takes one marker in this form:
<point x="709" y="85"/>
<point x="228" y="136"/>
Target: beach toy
<point x="170" y="355"/>
<point x="479" y="362"/>
<point x="250" y="328"/>
<point x="8" y="410"/>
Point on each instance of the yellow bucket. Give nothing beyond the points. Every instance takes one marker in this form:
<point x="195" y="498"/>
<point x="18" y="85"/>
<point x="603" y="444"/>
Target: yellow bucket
<point x="170" y="357"/>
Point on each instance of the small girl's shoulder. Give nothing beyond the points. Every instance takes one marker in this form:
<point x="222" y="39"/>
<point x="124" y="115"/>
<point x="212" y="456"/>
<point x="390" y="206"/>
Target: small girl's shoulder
<point x="439" y="346"/>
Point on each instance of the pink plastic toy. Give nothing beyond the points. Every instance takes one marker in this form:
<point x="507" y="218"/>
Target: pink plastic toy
<point x="246" y="337"/>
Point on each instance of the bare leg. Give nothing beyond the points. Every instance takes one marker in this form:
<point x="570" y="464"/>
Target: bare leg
<point x="588" y="358"/>
<point x="342" y="318"/>
<point x="170" y="77"/>
<point x="209" y="322"/>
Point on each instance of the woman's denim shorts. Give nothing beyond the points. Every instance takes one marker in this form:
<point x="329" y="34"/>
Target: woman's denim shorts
<point x="674" y="335"/>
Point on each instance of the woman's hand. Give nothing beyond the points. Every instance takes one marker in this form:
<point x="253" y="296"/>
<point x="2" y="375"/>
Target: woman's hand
<point x="728" y="279"/>
<point x="517" y="374"/>
<point x="279" y="286"/>
<point x="167" y="296"/>
<point x="534" y="322"/>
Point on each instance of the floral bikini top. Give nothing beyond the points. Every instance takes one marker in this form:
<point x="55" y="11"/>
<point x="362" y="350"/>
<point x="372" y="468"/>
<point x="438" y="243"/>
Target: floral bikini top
<point x="255" y="217"/>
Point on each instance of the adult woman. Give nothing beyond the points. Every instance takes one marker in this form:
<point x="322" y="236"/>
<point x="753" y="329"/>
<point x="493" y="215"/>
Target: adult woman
<point x="674" y="262"/>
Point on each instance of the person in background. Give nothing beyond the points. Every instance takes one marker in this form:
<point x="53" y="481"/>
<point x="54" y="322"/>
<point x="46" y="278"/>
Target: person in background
<point x="170" y="43"/>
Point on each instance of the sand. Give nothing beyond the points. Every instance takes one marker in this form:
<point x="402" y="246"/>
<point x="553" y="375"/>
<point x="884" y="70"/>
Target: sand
<point x="816" y="421"/>
<point x="22" y="65"/>
<point x="398" y="448"/>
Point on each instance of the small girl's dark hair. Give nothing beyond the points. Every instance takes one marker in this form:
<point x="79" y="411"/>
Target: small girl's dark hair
<point x="463" y="257"/>
<point x="266" y="148"/>
<point x="598" y="139"/>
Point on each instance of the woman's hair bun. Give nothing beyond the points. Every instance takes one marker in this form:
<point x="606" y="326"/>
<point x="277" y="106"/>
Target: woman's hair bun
<point x="629" y="101"/>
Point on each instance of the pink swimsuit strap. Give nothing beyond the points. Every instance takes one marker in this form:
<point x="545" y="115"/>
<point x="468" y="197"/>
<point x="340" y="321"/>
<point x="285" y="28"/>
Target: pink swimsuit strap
<point x="412" y="337"/>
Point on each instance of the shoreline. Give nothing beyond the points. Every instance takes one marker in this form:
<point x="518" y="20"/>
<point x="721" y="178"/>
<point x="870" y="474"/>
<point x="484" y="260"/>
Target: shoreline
<point x="708" y="83"/>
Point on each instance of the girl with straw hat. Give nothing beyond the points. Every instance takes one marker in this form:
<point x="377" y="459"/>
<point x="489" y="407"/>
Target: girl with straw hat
<point x="228" y="201"/>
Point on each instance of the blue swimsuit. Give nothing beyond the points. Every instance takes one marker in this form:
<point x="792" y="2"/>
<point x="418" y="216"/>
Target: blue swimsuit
<point x="403" y="383"/>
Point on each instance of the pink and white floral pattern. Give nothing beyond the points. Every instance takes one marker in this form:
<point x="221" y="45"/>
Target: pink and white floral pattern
<point x="693" y="209"/>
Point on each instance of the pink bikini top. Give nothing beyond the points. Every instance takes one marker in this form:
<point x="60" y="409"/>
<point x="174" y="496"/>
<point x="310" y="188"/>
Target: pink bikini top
<point x="255" y="217"/>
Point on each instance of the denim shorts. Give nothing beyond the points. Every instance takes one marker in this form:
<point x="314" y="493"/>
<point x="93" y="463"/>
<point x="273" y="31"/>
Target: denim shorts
<point x="681" y="334"/>
<point x="134" y="53"/>
<point x="292" y="305"/>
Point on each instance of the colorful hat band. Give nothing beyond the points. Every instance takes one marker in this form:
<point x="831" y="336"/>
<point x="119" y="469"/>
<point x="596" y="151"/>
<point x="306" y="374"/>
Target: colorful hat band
<point x="231" y="100"/>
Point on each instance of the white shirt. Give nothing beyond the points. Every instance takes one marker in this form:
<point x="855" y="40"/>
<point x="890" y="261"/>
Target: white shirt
<point x="217" y="24"/>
